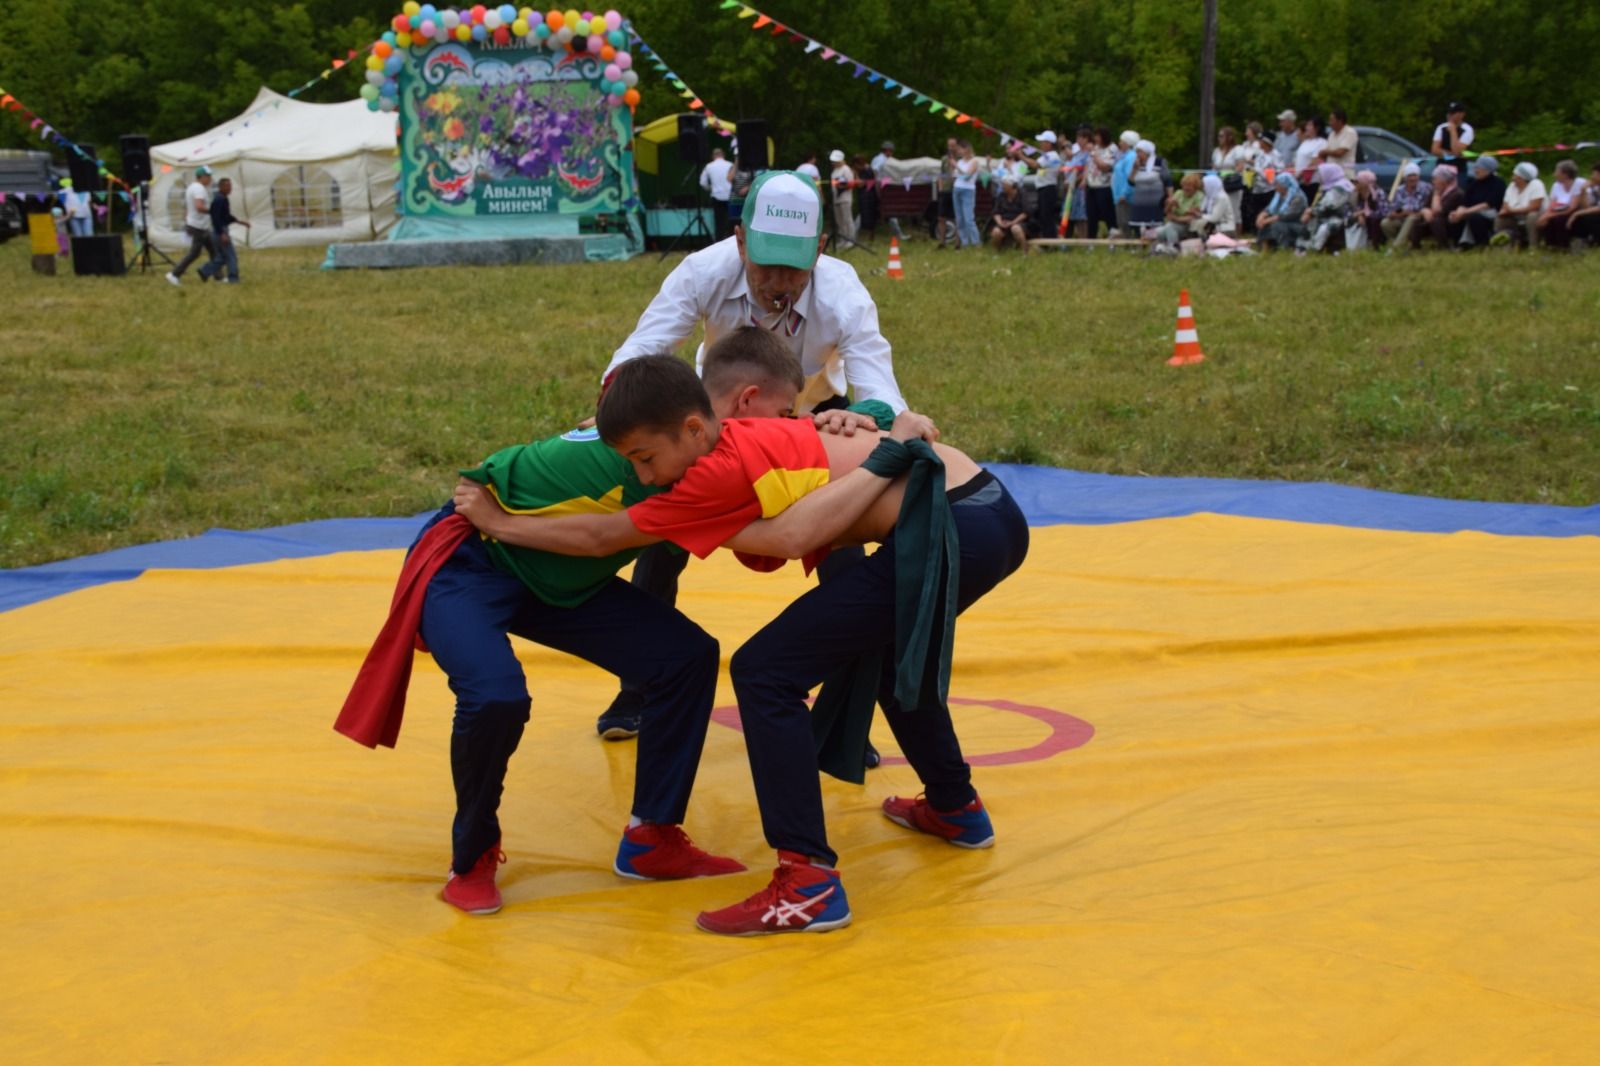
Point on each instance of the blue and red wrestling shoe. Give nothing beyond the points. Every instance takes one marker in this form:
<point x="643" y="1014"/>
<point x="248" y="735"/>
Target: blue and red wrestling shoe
<point x="665" y="853"/>
<point x="475" y="891"/>
<point x="965" y="827"/>
<point x="802" y="898"/>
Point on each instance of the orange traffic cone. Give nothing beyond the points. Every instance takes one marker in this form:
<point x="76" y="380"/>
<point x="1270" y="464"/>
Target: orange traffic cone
<point x="895" y="270"/>
<point x="1186" y="345"/>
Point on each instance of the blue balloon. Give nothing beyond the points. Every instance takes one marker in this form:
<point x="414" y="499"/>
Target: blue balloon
<point x="392" y="65"/>
<point x="429" y="13"/>
<point x="479" y="33"/>
<point x="508" y="14"/>
<point x="389" y="88"/>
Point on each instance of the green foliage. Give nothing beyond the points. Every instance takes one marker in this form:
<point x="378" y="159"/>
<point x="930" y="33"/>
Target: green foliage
<point x="172" y="68"/>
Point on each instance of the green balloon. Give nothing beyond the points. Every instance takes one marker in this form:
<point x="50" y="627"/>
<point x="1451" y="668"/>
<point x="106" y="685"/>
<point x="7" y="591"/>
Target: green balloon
<point x="369" y="92"/>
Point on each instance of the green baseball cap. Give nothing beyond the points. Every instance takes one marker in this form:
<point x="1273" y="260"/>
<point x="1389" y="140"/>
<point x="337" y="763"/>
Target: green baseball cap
<point x="782" y="220"/>
<point x="201" y="172"/>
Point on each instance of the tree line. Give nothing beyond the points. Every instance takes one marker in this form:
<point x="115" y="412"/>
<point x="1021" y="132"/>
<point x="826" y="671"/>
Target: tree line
<point x="173" y="68"/>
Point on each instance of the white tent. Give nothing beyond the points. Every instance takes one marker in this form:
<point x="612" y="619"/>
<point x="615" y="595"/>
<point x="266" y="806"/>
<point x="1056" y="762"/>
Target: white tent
<point x="302" y="173"/>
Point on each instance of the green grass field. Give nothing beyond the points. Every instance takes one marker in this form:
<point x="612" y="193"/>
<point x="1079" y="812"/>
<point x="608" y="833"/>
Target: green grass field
<point x="132" y="411"/>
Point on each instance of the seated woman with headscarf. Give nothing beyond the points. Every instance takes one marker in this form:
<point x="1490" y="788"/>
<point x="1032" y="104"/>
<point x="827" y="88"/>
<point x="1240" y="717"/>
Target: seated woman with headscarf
<point x="1150" y="180"/>
<point x="1567" y="194"/>
<point x="1434" y="222"/>
<point x="1406" y="207"/>
<point x="1010" y="218"/>
<point x="1520" y="208"/>
<point x="1371" y="207"/>
<point x="1182" y="213"/>
<point x="1480" y="203"/>
<point x="1216" y="212"/>
<point x="1330" y="211"/>
<point x="1281" y="225"/>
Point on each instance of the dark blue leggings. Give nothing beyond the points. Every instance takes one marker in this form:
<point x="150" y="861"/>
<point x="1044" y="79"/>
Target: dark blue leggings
<point x="826" y="629"/>
<point x="471" y="606"/>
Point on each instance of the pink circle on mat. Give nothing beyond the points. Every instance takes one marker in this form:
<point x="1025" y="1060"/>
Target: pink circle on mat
<point x="1066" y="732"/>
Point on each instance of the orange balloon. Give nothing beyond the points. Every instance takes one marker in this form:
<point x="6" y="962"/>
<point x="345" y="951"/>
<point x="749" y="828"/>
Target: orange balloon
<point x="555" y="20"/>
<point x="382" y="49"/>
<point x="607" y="53"/>
<point x="631" y="97"/>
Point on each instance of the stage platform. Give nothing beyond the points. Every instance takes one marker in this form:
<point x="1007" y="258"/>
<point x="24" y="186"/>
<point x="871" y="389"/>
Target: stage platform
<point x="507" y="251"/>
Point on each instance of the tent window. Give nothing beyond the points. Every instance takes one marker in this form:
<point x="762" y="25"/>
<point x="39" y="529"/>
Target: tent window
<point x="306" y="198"/>
<point x="175" y="213"/>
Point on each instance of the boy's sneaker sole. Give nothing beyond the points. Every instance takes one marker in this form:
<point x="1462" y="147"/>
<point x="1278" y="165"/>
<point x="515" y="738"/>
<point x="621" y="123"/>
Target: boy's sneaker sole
<point x="986" y="843"/>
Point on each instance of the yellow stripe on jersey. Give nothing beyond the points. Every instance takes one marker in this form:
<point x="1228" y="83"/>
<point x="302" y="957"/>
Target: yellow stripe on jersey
<point x="610" y="503"/>
<point x="778" y="488"/>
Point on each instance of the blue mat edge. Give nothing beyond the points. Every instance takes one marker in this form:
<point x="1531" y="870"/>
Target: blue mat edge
<point x="1049" y="496"/>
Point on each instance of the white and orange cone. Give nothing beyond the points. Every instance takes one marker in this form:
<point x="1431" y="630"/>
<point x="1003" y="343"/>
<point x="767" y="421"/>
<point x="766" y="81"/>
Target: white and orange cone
<point x="895" y="270"/>
<point x="1186" y="344"/>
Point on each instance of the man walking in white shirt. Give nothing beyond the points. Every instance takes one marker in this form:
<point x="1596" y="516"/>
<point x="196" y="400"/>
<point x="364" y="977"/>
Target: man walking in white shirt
<point x="716" y="180"/>
<point x="196" y="223"/>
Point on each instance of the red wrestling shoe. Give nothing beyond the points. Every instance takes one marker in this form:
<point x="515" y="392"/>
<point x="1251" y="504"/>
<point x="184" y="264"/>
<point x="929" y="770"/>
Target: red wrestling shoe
<point x="651" y="852"/>
<point x="474" y="891"/>
<point x="802" y="898"/>
<point x="965" y="827"/>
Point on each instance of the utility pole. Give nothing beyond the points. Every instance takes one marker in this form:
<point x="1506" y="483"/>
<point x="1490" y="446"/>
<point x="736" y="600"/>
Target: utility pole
<point x="1208" y="85"/>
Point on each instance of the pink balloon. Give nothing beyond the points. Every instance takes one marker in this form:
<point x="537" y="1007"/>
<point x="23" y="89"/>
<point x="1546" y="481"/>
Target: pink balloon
<point x="613" y="72"/>
<point x="614" y="100"/>
<point x="596" y="42"/>
<point x="613" y="20"/>
<point x="624" y="61"/>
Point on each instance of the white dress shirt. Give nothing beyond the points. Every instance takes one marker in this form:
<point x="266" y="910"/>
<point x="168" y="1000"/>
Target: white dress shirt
<point x="715" y="178"/>
<point x="833" y="329"/>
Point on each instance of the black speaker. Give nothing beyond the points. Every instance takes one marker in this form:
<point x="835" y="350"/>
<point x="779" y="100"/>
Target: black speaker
<point x="752" y="135"/>
<point x="692" y="138"/>
<point x="98" y="255"/>
<point x="85" y="174"/>
<point x="135" y="158"/>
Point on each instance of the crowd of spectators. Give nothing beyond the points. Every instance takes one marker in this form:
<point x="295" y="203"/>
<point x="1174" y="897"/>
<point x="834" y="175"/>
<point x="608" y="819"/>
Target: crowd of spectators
<point x="1301" y="189"/>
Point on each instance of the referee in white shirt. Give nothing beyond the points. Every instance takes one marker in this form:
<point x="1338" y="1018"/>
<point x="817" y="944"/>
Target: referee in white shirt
<point x="716" y="179"/>
<point x="815" y="302"/>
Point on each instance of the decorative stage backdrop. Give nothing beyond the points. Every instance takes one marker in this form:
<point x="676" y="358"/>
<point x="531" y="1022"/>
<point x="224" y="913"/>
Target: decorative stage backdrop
<point x="526" y="138"/>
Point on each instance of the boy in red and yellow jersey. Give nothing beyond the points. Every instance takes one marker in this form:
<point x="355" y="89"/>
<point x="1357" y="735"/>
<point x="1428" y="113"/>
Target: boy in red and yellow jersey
<point x="946" y="526"/>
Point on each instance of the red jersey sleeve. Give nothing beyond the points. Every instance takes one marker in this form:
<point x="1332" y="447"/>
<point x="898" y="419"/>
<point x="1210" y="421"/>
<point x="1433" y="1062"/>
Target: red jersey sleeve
<point x="710" y="503"/>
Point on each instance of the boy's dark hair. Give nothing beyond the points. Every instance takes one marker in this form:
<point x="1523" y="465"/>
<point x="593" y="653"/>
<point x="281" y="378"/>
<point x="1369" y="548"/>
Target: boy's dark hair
<point x="654" y="393"/>
<point x="749" y="355"/>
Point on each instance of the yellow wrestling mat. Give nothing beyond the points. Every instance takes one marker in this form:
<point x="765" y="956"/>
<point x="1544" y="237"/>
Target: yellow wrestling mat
<point x="1263" y="791"/>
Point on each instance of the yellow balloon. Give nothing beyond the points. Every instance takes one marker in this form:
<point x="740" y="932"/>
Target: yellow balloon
<point x="403" y="40"/>
<point x="463" y="32"/>
<point x="374" y="63"/>
<point x="412" y="7"/>
<point x="571" y="15"/>
<point x="520" y="27"/>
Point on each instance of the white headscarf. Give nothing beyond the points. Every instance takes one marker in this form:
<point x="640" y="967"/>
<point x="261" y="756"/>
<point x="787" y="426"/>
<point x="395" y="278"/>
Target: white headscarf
<point x="1149" y="151"/>
<point x="1410" y="169"/>
<point x="1526" y="171"/>
<point x="1128" y="139"/>
<point x="1213" y="189"/>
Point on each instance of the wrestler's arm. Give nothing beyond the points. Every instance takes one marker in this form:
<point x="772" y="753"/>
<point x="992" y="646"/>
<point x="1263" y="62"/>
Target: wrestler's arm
<point x="580" y="534"/>
<point x="815" y="520"/>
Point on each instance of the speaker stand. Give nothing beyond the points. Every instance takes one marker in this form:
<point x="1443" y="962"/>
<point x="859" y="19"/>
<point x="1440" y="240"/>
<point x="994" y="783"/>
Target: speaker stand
<point x="699" y="223"/>
<point x="145" y="250"/>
